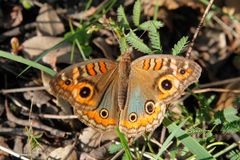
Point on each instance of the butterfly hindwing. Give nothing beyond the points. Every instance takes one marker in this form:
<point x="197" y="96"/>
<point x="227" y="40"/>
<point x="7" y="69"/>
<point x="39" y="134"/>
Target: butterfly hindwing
<point x="105" y="117"/>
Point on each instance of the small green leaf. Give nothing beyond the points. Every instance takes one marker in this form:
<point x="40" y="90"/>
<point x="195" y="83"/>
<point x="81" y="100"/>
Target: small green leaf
<point x="155" y="38"/>
<point x="83" y="37"/>
<point x="219" y="118"/>
<point x="230" y="114"/>
<point x="136" y="12"/>
<point x="82" y="41"/>
<point x="180" y="45"/>
<point x="113" y="148"/>
<point x="26" y="4"/>
<point x="153" y="34"/>
<point x="148" y="24"/>
<point x="121" y="16"/>
<point x="137" y="43"/>
<point x="231" y="127"/>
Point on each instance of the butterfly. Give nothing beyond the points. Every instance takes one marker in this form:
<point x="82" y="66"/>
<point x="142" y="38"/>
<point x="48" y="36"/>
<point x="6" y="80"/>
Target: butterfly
<point x="131" y="95"/>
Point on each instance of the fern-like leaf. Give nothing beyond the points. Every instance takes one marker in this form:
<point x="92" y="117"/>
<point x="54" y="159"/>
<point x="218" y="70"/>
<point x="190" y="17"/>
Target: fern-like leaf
<point x="181" y="44"/>
<point x="136" y="12"/>
<point x="154" y="37"/>
<point x="121" y="16"/>
<point x="123" y="44"/>
<point x="137" y="43"/>
<point x="231" y="127"/>
<point x="234" y="155"/>
<point x="147" y="25"/>
<point x="155" y="41"/>
<point x="153" y="34"/>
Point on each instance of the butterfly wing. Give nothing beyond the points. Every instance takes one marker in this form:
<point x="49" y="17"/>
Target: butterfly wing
<point x="154" y="82"/>
<point x="84" y="84"/>
<point x="105" y="117"/>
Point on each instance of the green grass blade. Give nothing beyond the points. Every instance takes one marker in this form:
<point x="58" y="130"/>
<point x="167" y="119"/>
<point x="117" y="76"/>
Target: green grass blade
<point x="168" y="140"/>
<point x="27" y="62"/>
<point x="124" y="143"/>
<point x="199" y="151"/>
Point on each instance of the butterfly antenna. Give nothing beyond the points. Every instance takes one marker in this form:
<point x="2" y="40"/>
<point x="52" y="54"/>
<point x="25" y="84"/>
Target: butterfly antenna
<point x="190" y="48"/>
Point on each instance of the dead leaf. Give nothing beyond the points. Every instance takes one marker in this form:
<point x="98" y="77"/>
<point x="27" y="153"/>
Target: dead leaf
<point x="68" y="152"/>
<point x="228" y="99"/>
<point x="105" y="48"/>
<point x="48" y="22"/>
<point x="233" y="4"/>
<point x="18" y="145"/>
<point x="16" y="16"/>
<point x="3" y="144"/>
<point x="39" y="152"/>
<point x="91" y="138"/>
<point x="45" y="80"/>
<point x="38" y="98"/>
<point x="99" y="153"/>
<point x="84" y="15"/>
<point x="165" y="6"/>
<point x="32" y="49"/>
<point x="148" y="6"/>
<point x="212" y="45"/>
<point x="12" y="18"/>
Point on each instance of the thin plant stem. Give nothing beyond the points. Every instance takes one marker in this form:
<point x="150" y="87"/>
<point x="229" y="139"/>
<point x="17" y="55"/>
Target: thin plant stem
<point x="226" y="149"/>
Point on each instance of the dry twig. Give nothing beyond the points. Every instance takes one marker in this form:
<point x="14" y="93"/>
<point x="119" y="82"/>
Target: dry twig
<point x="35" y="123"/>
<point x="188" y="54"/>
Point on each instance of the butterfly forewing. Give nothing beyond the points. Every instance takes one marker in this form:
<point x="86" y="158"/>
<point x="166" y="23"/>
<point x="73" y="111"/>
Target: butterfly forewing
<point x="84" y="84"/>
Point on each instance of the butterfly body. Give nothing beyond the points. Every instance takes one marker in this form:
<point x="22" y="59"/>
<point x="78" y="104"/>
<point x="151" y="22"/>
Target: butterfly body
<point x="131" y="95"/>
